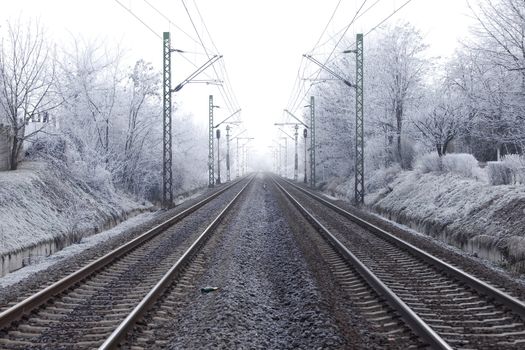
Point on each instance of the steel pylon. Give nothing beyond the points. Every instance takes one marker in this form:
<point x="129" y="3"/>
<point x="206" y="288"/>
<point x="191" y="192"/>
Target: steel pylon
<point x="167" y="171"/>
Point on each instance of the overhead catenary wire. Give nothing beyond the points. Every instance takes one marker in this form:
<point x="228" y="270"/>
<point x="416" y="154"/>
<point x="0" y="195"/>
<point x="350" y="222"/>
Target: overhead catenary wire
<point x="318" y="70"/>
<point x="388" y="17"/>
<point x="222" y="90"/>
<point x="139" y="19"/>
<point x="222" y="63"/>
<point x="331" y="38"/>
<point x="379" y="24"/>
<point x="327" y="25"/>
<point x="227" y="87"/>
<point x="298" y="101"/>
<point x="157" y="35"/>
<point x="312" y="52"/>
<point x="300" y="96"/>
<point x="170" y="21"/>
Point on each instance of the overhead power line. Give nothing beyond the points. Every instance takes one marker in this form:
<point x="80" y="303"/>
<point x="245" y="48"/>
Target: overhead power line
<point x="343" y="28"/>
<point x="388" y="17"/>
<point x="170" y="22"/>
<point x="139" y="19"/>
<point x="224" y="89"/>
<point x="327" y="25"/>
<point x="300" y="98"/>
<point x="228" y="88"/>
<point x="317" y="71"/>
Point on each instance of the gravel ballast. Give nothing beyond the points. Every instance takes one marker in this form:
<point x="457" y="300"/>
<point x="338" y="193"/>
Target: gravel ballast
<point x="267" y="298"/>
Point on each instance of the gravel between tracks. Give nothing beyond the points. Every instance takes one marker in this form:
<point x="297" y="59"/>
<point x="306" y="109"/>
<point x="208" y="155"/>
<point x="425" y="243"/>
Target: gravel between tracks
<point x="267" y="297"/>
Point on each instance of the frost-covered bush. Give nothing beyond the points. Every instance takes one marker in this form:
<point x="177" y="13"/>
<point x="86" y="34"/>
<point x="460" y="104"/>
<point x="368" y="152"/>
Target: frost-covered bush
<point x="461" y="163"/>
<point x="499" y="173"/>
<point x="381" y="178"/>
<point x="516" y="163"/>
<point x="47" y="146"/>
<point x="428" y="162"/>
<point x="377" y="155"/>
<point x="82" y="164"/>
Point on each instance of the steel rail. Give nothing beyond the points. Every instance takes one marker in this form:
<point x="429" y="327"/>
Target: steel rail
<point x="500" y="296"/>
<point x="27" y="305"/>
<point x="156" y="292"/>
<point x="420" y="327"/>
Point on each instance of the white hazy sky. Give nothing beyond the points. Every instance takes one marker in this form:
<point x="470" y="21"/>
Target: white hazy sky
<point x="261" y="41"/>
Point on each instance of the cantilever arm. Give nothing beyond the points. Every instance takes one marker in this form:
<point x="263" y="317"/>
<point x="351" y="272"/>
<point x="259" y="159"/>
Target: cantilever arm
<point x="197" y="72"/>
<point x="329" y="71"/>
<point x="234" y="113"/>
<point x="293" y="116"/>
<point x="287" y="134"/>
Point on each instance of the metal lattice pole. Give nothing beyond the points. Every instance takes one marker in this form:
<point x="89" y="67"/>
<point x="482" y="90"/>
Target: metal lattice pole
<point x="279" y="163"/>
<point x="237" y="163"/>
<point x="211" y="170"/>
<point x="245" y="167"/>
<point x="285" y="156"/>
<point x="359" y="132"/>
<point x="218" y="157"/>
<point x="312" y="142"/>
<point x="305" y="134"/>
<point x="167" y="174"/>
<point x="228" y="177"/>
<point x="296" y="159"/>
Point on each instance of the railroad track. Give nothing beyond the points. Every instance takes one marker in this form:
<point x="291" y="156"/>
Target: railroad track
<point x="97" y="305"/>
<point x="446" y="307"/>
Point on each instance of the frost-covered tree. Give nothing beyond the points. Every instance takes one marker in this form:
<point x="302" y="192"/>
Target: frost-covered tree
<point x="501" y="34"/>
<point x="91" y="78"/>
<point x="335" y="120"/>
<point x="490" y="74"/>
<point x="397" y="67"/>
<point x="27" y="82"/>
<point x="142" y="115"/>
<point x="440" y="119"/>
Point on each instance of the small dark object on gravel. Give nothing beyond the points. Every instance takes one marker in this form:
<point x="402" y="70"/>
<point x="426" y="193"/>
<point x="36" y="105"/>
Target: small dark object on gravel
<point x="209" y="289"/>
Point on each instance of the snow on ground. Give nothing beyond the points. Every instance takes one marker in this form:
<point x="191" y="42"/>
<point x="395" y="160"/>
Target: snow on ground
<point x="39" y="203"/>
<point x="463" y="207"/>
<point x="42" y="263"/>
<point x="85" y="243"/>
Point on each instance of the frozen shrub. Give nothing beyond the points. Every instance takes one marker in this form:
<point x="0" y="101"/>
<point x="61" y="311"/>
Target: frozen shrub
<point x="376" y="154"/>
<point x="461" y="163"/>
<point x="43" y="147"/>
<point x="428" y="162"/>
<point x="381" y="178"/>
<point x="516" y="163"/>
<point x="499" y="173"/>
